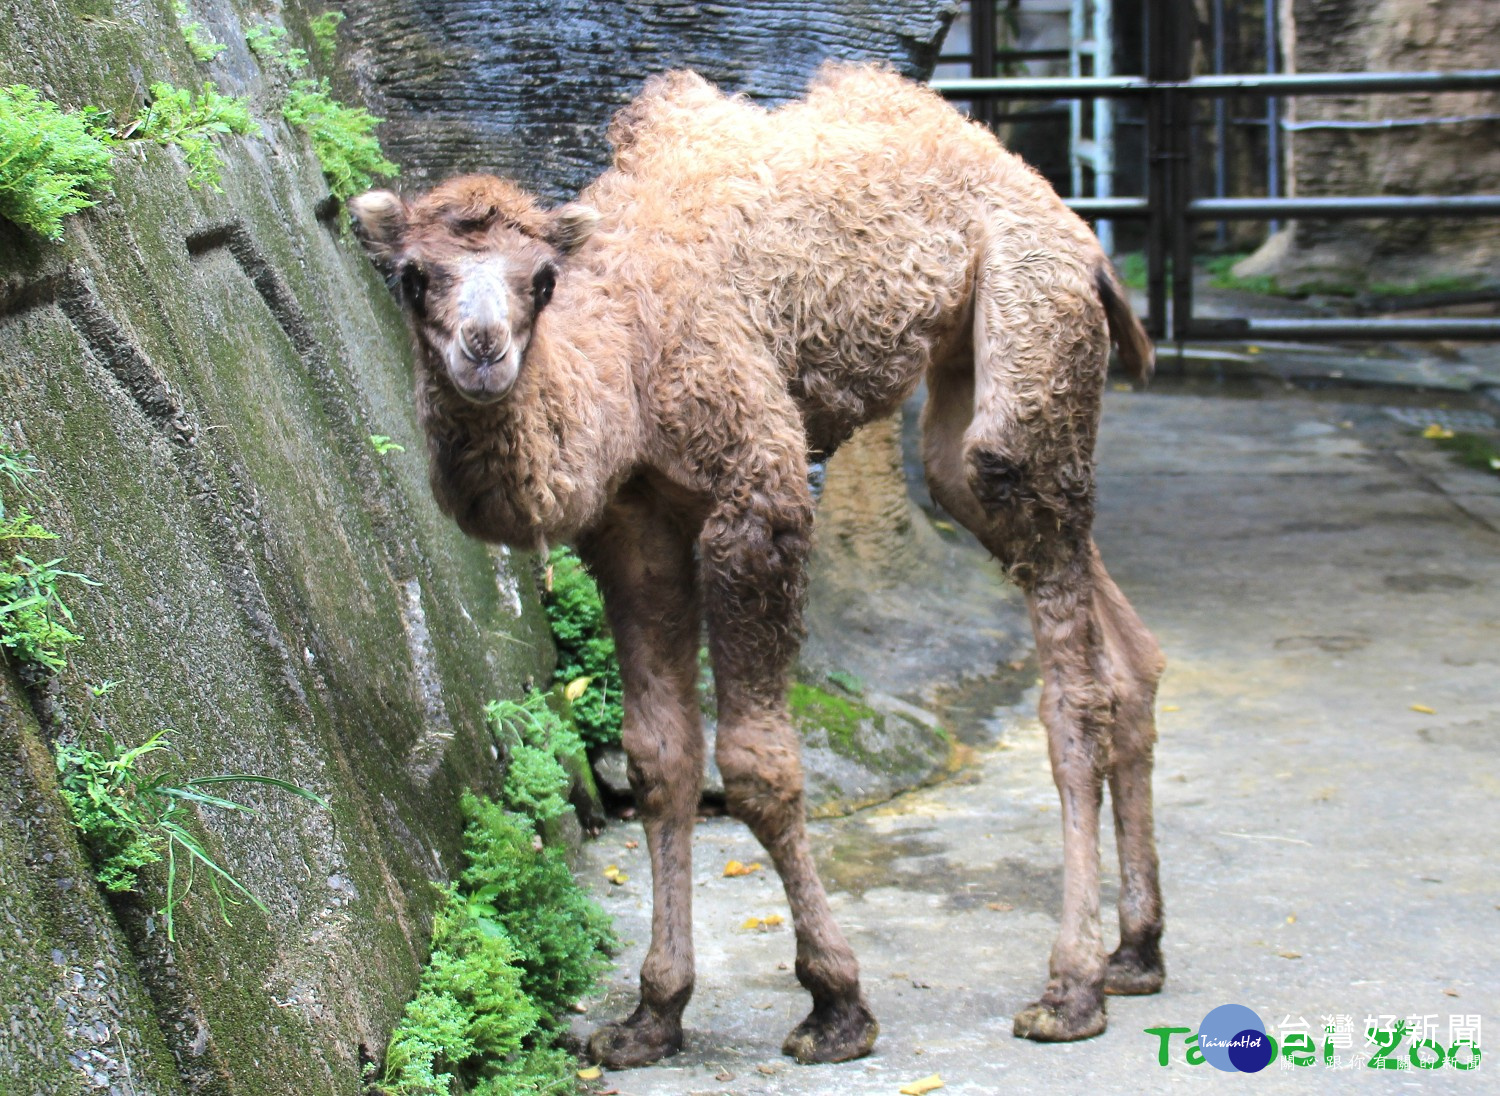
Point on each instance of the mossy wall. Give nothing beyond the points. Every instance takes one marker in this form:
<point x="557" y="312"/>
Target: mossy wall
<point x="198" y="375"/>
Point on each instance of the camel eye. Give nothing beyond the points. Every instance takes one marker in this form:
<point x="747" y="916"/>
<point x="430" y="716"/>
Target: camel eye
<point x="414" y="286"/>
<point x="542" y="284"/>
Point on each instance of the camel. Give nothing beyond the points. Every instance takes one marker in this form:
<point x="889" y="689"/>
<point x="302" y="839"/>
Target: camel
<point x="647" y="372"/>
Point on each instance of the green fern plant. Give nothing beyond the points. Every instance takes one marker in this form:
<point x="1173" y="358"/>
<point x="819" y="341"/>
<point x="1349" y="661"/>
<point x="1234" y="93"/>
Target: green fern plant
<point x="195" y="34"/>
<point x="53" y="162"/>
<point x="191" y="122"/>
<point x="131" y="818"/>
<point x="342" y="137"/>
<point x="268" y="42"/>
<point x="515" y="943"/>
<point x="585" y="649"/>
<point x="325" y="29"/>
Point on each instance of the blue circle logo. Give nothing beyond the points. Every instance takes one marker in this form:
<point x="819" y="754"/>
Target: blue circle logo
<point x="1233" y="1038"/>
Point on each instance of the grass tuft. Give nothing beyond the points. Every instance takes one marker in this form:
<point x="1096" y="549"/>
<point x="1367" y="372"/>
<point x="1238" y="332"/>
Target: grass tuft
<point x="35" y="622"/>
<point x="131" y="818"/>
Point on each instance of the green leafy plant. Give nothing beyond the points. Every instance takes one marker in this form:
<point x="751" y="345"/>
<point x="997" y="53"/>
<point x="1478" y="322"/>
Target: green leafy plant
<point x="325" y="29"/>
<point x="342" y="137"/>
<point x="196" y="35"/>
<point x="177" y="117"/>
<point x="585" y="648"/>
<point x="515" y="942"/>
<point x="268" y="42"/>
<point x="34" y="619"/>
<point x="131" y="818"/>
<point x="53" y="162"/>
<point x="384" y="445"/>
<point x="539" y="739"/>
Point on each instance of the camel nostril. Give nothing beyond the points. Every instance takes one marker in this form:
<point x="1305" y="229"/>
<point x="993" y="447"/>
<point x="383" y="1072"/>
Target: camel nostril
<point x="482" y="344"/>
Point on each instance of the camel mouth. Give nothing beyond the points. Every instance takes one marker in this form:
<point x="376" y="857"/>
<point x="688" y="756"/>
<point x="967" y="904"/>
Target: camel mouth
<point x="483" y="379"/>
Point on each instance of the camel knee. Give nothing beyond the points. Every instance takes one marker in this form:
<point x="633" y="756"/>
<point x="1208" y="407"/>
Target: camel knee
<point x="762" y="780"/>
<point x="665" y="771"/>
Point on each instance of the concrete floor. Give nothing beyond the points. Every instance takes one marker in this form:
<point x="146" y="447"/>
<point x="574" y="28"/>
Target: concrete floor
<point x="1313" y="570"/>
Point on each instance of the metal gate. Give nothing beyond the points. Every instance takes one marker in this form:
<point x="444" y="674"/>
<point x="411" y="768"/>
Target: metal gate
<point x="1172" y="211"/>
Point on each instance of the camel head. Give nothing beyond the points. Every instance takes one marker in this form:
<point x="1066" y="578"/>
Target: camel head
<point x="473" y="262"/>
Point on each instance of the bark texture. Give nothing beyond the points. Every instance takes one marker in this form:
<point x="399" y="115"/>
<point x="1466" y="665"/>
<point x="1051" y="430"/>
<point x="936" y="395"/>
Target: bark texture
<point x="525" y="89"/>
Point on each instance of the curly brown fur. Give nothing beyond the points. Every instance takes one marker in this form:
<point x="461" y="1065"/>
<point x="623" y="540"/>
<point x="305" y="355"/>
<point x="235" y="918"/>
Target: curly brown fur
<point x="646" y="372"/>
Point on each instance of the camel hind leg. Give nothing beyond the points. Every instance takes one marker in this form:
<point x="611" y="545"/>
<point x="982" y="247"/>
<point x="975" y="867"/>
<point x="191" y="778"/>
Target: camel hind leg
<point x="1136" y="665"/>
<point x="1008" y="442"/>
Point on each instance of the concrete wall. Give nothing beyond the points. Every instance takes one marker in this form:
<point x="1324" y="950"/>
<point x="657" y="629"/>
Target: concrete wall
<point x="198" y="375"/>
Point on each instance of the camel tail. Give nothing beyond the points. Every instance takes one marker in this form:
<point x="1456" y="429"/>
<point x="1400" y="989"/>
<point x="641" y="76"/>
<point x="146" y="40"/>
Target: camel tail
<point x="1137" y="354"/>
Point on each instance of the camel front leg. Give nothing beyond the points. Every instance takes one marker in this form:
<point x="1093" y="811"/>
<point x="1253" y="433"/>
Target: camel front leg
<point x="644" y="564"/>
<point x="1075" y="709"/>
<point x="755" y="577"/>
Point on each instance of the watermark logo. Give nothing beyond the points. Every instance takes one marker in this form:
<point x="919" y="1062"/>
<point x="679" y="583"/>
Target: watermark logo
<point x="1234" y="1039"/>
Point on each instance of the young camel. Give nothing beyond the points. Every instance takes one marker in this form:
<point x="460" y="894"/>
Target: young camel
<point x="647" y="374"/>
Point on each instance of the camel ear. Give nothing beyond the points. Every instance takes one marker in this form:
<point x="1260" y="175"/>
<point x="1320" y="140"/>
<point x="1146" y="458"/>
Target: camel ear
<point x="571" y="225"/>
<point x="379" y="219"/>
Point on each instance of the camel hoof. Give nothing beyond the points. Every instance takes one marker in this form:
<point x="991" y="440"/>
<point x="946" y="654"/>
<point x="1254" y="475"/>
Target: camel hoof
<point x="1062" y="1016"/>
<point x="837" y="1032"/>
<point x="642" y="1039"/>
<point x="1134" y="972"/>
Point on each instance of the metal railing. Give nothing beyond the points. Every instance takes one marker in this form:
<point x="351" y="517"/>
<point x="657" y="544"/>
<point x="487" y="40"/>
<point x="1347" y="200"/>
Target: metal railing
<point x="1171" y="210"/>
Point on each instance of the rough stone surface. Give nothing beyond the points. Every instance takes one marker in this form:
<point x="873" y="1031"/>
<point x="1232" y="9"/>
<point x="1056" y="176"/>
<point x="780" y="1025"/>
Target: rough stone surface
<point x="198" y="374"/>
<point x="525" y="89"/>
<point x="1460" y="155"/>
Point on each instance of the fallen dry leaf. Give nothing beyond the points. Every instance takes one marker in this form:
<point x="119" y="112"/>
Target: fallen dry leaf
<point x="576" y="688"/>
<point x="1424" y="709"/>
<point x="734" y="868"/>
<point x="1450" y="992"/>
<point x="1290" y="954"/>
<point x="1170" y="708"/>
<point x="770" y="921"/>
<point x="1291" y="919"/>
<point x="1436" y="430"/>
<point x="615" y="875"/>
<point x="632" y="844"/>
<point x="723" y="1075"/>
<point x="769" y="1071"/>
<point x="922" y="1087"/>
<point x="1000" y="907"/>
<point x="593" y="1073"/>
<point x="762" y="1006"/>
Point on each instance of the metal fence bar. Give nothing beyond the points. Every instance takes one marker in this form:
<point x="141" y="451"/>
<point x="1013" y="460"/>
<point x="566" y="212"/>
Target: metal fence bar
<point x="1373" y="329"/>
<point x="1326" y="208"/>
<point x="1170" y="209"/>
<point x="1278" y="84"/>
<point x="1113" y="208"/>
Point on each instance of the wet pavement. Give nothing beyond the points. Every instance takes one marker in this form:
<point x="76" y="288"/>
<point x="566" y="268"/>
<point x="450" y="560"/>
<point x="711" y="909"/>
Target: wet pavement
<point x="1326" y="585"/>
